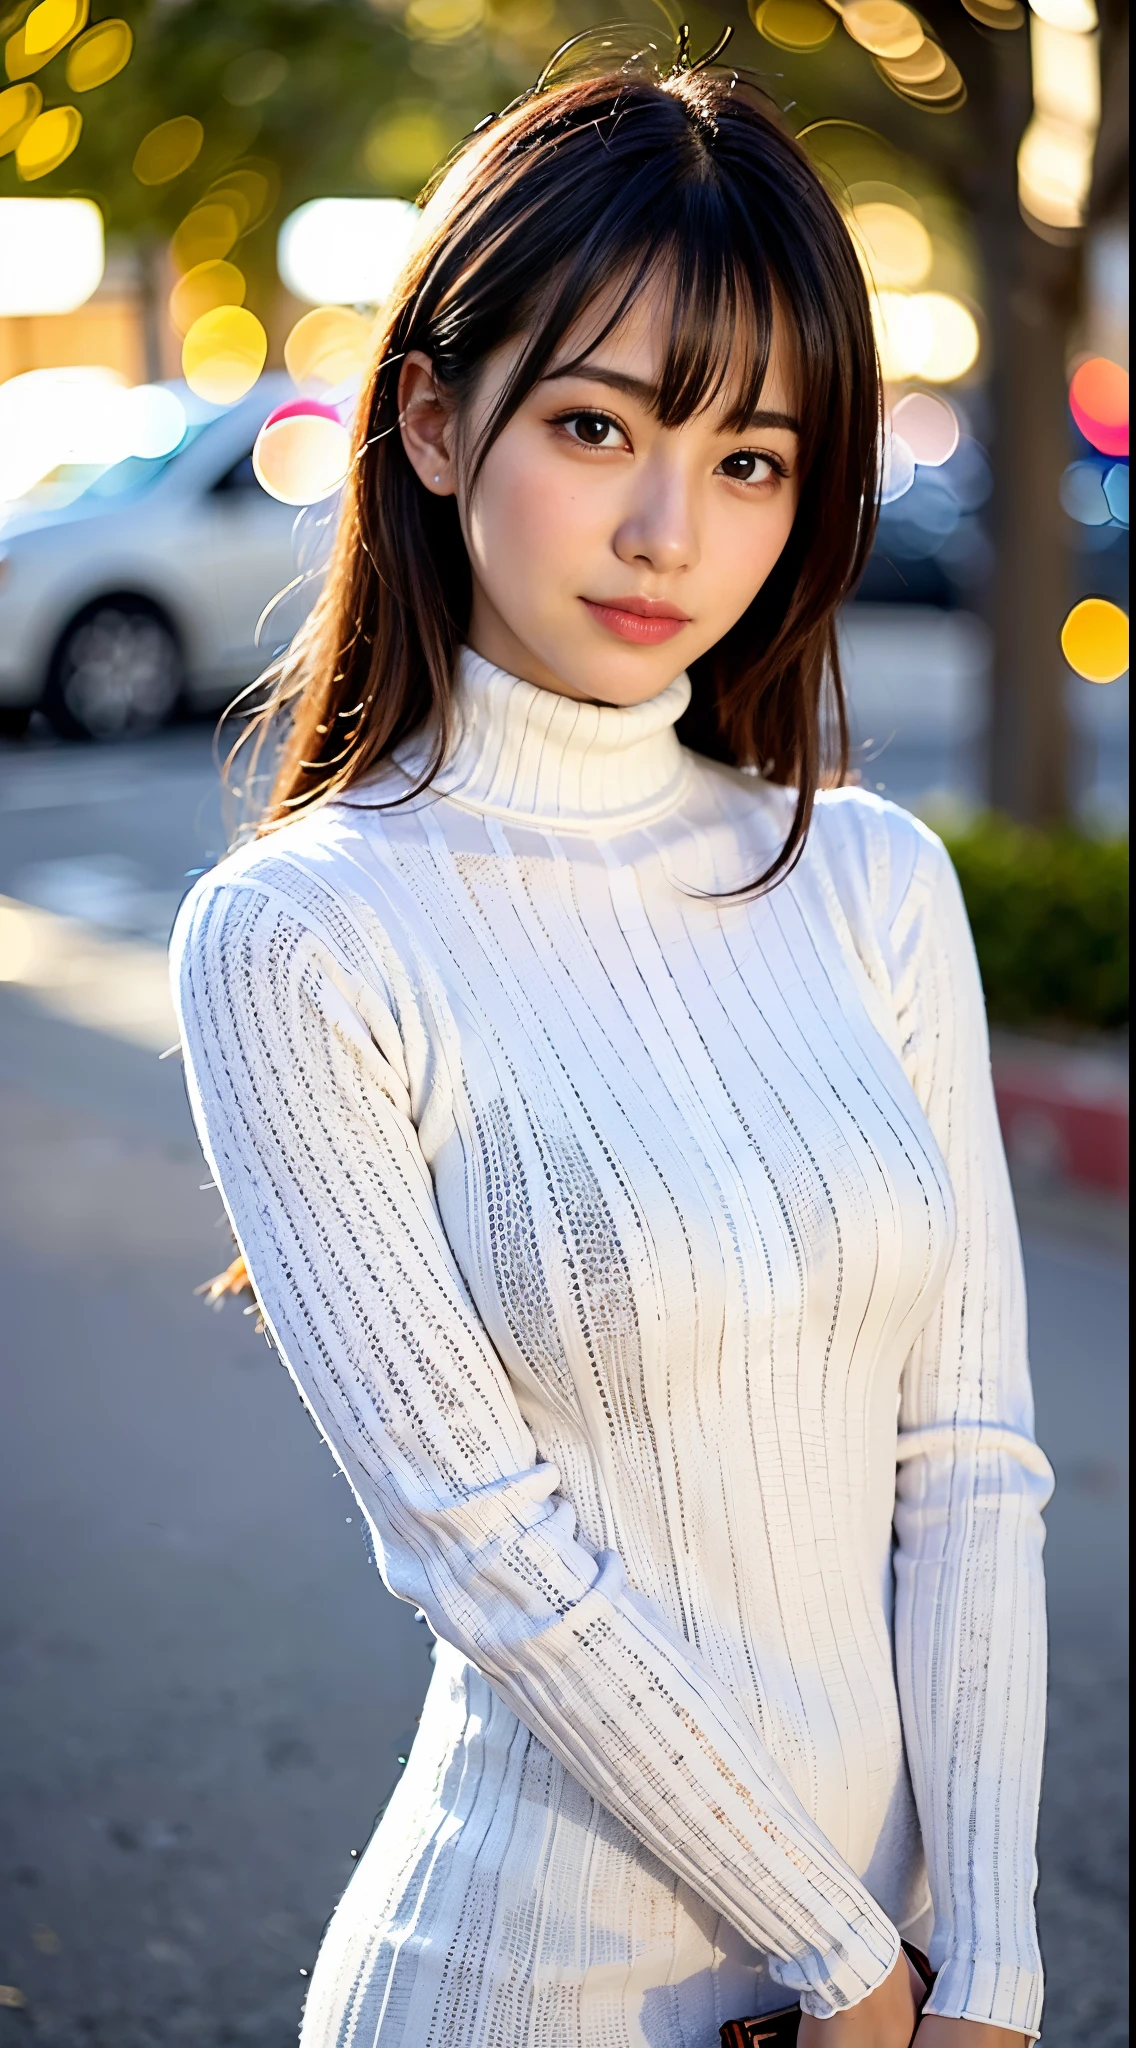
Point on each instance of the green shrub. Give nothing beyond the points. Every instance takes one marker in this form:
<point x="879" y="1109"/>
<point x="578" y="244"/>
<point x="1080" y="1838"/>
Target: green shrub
<point x="1049" y="911"/>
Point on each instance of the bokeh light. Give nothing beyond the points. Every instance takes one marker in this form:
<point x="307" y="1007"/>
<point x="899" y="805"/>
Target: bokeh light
<point x="99" y="55"/>
<point x="1094" y="640"/>
<point x="928" y="63"/>
<point x="998" y="14"/>
<point x="1080" y="16"/>
<point x="1116" y="492"/>
<point x="223" y="354"/>
<point x="1098" y="401"/>
<point x="205" y="235"/>
<point x="885" y="27"/>
<point x="944" y="91"/>
<point x="250" y="192"/>
<point x="202" y="289"/>
<point x="896" y="247"/>
<point x="897" y="473"/>
<point x="62" y="18"/>
<point x="48" y="142"/>
<point x="328" y="346"/>
<point x="928" y="335"/>
<point x="86" y="417"/>
<point x="800" y="25"/>
<point x="302" y="453"/>
<point x="929" y="426"/>
<point x="52" y="24"/>
<point x="1083" y="495"/>
<point x="443" y="21"/>
<point x="19" y="105"/>
<point x="168" y="150"/>
<point x="250" y="79"/>
<point x="346" y="251"/>
<point x="52" y="255"/>
<point x="404" y="145"/>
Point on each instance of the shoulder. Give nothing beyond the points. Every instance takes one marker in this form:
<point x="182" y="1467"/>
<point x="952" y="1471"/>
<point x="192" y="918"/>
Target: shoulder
<point x="312" y="878"/>
<point x="876" y="854"/>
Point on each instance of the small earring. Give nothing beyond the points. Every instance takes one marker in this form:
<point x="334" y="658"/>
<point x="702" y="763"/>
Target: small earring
<point x="438" y="478"/>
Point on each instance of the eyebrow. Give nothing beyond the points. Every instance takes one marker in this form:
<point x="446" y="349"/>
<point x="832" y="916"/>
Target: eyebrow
<point x="637" y="387"/>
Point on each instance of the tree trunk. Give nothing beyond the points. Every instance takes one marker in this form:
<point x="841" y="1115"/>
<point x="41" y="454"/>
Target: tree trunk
<point x="1033" y="300"/>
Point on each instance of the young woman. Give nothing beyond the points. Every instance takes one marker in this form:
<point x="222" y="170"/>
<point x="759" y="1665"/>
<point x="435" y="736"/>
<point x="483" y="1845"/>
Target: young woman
<point x="605" y="1120"/>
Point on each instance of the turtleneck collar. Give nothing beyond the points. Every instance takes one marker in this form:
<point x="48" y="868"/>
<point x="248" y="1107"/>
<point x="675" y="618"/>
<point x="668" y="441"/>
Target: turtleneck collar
<point x="536" y="758"/>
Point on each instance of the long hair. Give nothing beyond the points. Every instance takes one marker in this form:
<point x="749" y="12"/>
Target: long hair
<point x="589" y="189"/>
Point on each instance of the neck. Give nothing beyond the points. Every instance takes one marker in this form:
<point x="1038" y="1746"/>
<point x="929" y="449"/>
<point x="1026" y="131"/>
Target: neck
<point x="538" y="757"/>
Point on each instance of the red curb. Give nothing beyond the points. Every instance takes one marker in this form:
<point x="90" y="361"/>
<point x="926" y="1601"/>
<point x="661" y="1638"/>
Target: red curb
<point x="1064" y="1113"/>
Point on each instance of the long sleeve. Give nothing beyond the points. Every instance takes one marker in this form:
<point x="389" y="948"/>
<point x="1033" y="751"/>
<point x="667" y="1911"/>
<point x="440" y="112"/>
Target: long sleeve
<point x="970" y="1620"/>
<point x="300" y="1093"/>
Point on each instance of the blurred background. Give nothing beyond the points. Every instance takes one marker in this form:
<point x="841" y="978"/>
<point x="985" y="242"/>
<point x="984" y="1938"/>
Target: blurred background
<point x="206" y="1694"/>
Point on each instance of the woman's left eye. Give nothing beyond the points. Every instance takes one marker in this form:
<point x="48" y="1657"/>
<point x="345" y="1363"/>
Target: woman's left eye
<point x="748" y="467"/>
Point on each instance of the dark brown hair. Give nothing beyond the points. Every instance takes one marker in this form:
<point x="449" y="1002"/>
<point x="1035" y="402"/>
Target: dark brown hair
<point x="591" y="186"/>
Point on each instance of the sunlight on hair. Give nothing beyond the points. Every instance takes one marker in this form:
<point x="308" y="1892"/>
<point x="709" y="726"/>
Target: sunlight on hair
<point x="1094" y="640"/>
<point x="223" y="354"/>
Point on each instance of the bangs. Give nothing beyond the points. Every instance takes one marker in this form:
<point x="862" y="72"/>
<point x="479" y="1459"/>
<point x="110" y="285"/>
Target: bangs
<point x="717" y="279"/>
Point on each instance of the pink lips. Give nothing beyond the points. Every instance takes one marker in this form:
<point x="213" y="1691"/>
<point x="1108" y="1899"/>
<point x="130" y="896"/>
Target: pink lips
<point x="646" y="621"/>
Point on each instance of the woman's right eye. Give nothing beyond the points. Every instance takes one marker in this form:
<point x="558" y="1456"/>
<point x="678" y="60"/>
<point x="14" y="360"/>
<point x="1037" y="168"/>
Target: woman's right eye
<point x="593" y="429"/>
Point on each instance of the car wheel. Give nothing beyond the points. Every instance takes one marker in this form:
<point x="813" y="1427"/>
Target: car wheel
<point x="116" y="673"/>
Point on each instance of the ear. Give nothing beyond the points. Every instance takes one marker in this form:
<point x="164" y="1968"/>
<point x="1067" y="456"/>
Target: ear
<point x="426" y="424"/>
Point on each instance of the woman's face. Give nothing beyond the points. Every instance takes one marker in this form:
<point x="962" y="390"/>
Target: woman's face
<point x="607" y="551"/>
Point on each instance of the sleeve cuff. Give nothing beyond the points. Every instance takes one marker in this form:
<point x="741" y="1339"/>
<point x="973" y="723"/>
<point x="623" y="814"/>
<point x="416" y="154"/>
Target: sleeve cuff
<point x="969" y="1987"/>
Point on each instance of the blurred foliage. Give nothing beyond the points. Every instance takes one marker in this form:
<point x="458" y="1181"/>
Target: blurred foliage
<point x="362" y="96"/>
<point x="1049" y="912"/>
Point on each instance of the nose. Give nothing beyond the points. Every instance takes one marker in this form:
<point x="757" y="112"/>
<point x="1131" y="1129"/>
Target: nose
<point x="659" y="527"/>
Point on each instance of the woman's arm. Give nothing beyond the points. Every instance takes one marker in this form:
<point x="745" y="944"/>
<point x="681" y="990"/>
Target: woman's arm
<point x="970" y="1618"/>
<point x="306" y="1125"/>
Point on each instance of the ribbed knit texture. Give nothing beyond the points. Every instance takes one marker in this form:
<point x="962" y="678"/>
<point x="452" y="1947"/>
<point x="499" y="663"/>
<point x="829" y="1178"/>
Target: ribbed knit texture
<point x="626" y="1242"/>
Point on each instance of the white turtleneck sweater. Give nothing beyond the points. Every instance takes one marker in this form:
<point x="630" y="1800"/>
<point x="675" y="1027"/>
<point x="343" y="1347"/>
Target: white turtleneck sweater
<point x="648" y="1260"/>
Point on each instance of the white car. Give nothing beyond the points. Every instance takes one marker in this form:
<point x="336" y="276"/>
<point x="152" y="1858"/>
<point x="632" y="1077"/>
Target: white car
<point x="145" y="591"/>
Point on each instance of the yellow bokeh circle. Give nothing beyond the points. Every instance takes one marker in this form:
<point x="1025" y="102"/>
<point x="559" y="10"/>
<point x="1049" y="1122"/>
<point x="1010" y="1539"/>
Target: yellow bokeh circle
<point x="223" y="354"/>
<point x="202" y="290"/>
<point x="99" y="55"/>
<point x="19" y="106"/>
<point x="896" y="247"/>
<point x="205" y="235"/>
<point x="48" y="142"/>
<point x="168" y="150"/>
<point x="794" y="24"/>
<point x="884" y="27"/>
<point x="1094" y="640"/>
<point x="329" y="345"/>
<point x="52" y="24"/>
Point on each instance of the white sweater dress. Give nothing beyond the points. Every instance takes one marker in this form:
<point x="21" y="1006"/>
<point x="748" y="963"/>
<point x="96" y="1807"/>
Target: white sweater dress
<point x="649" y="1262"/>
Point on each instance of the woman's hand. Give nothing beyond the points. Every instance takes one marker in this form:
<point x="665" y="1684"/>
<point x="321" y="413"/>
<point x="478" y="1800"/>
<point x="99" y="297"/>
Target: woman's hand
<point x="935" y="2032"/>
<point x="885" y="2019"/>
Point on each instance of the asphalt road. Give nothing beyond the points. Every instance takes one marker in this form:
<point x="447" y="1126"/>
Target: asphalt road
<point x="205" y="1687"/>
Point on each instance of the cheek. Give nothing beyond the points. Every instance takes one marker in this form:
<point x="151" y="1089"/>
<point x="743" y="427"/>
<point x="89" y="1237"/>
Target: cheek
<point x="747" y="545"/>
<point x="527" y="511"/>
